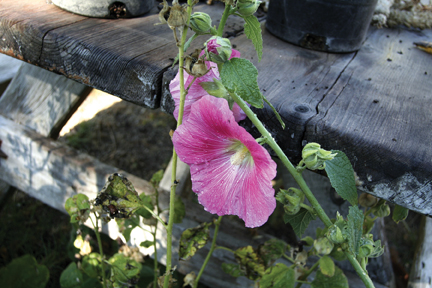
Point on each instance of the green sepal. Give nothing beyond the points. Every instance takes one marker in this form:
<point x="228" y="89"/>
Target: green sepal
<point x="240" y="76"/>
<point x="278" y="276"/>
<point x="193" y="239"/>
<point x="327" y="266"/>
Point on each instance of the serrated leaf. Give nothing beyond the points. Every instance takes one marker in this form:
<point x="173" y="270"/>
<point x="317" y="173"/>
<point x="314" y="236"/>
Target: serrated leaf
<point x="338" y="280"/>
<point x="240" y="76"/>
<point x="232" y="269"/>
<point x="193" y="239"/>
<point x="252" y="29"/>
<point x="355" y="228"/>
<point x="327" y="266"/>
<point x="299" y="221"/>
<point x="24" y="272"/>
<point x="341" y="175"/>
<point x="279" y="276"/>
<point x="180" y="210"/>
<point x="399" y="213"/>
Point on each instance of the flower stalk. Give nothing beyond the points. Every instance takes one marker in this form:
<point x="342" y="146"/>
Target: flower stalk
<point x="300" y="181"/>
<point x="96" y="229"/>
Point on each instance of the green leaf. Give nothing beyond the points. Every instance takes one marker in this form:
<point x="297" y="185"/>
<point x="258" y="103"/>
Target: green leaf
<point x="179" y="210"/>
<point x="24" y="272"/>
<point x="299" y="221"/>
<point x="186" y="46"/>
<point x="327" y="266"/>
<point x="240" y="76"/>
<point x="215" y="88"/>
<point x="272" y="250"/>
<point x="355" y="228"/>
<point x="193" y="239"/>
<point x="250" y="262"/>
<point x="338" y="280"/>
<point x="341" y="175"/>
<point x="71" y="277"/>
<point x="279" y="276"/>
<point x="232" y="269"/>
<point x="252" y="30"/>
<point x="92" y="265"/>
<point x="399" y="213"/>
<point x="123" y="269"/>
<point x="157" y="177"/>
<point x="146" y="201"/>
<point x="147" y="244"/>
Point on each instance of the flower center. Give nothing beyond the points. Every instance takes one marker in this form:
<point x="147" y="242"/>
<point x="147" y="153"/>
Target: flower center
<point x="241" y="153"/>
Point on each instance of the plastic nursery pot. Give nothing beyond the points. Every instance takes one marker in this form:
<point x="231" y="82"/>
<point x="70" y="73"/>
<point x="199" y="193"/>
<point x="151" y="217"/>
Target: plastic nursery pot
<point x="323" y="25"/>
<point x="106" y="8"/>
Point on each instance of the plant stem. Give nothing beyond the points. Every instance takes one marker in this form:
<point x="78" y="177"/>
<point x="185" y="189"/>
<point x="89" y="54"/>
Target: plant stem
<point x="300" y="181"/>
<point x="223" y="20"/>
<point x="213" y="246"/>
<point x="225" y="248"/>
<point x="306" y="274"/>
<point x="155" y="263"/>
<point x="174" y="157"/>
<point x="96" y="229"/>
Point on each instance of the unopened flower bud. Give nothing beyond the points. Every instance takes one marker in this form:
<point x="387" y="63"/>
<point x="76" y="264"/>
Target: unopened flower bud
<point x="334" y="234"/>
<point x="367" y="246"/>
<point x="323" y="245"/>
<point x="291" y="199"/>
<point x="247" y="7"/>
<point x="314" y="157"/>
<point x="200" y="22"/>
<point x="381" y="210"/>
<point x="218" y="49"/>
<point x="368" y="200"/>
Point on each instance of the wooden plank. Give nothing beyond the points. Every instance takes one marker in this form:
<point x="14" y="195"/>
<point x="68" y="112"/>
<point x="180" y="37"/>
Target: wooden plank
<point x="41" y="100"/>
<point x="421" y="270"/>
<point x="124" y="57"/>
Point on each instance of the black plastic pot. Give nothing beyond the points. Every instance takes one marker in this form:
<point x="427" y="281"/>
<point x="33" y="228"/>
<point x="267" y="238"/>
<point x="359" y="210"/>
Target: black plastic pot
<point x="323" y="25"/>
<point x="106" y="8"/>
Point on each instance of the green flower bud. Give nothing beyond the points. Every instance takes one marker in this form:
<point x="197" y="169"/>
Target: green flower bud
<point x="323" y="246"/>
<point x="368" y="200"/>
<point x="218" y="49"/>
<point x="291" y="199"/>
<point x="247" y="7"/>
<point x="367" y="246"/>
<point x="200" y="22"/>
<point x="334" y="234"/>
<point x="381" y="210"/>
<point x="314" y="157"/>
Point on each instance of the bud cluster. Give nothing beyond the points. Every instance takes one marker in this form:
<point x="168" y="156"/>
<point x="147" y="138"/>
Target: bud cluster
<point x="313" y="157"/>
<point x="291" y="200"/>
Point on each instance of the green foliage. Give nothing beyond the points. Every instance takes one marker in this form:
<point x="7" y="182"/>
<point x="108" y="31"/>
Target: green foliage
<point x="92" y="265"/>
<point x="299" y="221"/>
<point x="338" y="280"/>
<point x="291" y="199"/>
<point x="272" y="250"/>
<point x="323" y="245"/>
<point x="179" y="210"/>
<point x="355" y="228"/>
<point x="279" y="276"/>
<point x="381" y="210"/>
<point x="193" y="239"/>
<point x="24" y="272"/>
<point x="156" y="178"/>
<point x="146" y="201"/>
<point x="233" y="269"/>
<point x="341" y="175"/>
<point x="124" y="270"/>
<point x="77" y="207"/>
<point x="146" y="244"/>
<point x="327" y="266"/>
<point x="250" y="262"/>
<point x="399" y="213"/>
<point x="252" y="30"/>
<point x="240" y="76"/>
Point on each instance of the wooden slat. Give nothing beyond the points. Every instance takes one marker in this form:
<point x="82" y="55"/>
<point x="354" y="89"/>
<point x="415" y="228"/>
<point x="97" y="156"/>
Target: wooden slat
<point x="40" y="99"/>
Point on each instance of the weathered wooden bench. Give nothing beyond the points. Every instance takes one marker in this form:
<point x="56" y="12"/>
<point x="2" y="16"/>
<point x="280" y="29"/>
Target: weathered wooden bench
<point x="373" y="104"/>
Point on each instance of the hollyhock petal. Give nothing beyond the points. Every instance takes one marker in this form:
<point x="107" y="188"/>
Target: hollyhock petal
<point x="209" y="141"/>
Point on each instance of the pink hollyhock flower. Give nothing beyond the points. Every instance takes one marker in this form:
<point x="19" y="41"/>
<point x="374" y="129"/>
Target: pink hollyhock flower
<point x="196" y="91"/>
<point x="231" y="172"/>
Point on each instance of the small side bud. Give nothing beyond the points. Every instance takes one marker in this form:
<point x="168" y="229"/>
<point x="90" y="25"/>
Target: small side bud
<point x="334" y="234"/>
<point x="291" y="199"/>
<point x="323" y="246"/>
<point x="247" y="7"/>
<point x="200" y="22"/>
<point x="314" y="157"/>
<point x="218" y="49"/>
<point x="381" y="210"/>
<point x="368" y="200"/>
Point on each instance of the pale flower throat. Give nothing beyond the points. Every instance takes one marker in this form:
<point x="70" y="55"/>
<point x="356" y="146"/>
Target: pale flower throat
<point x="241" y="154"/>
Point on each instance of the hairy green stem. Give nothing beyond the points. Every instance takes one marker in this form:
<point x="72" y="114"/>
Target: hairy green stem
<point x="155" y="261"/>
<point x="300" y="181"/>
<point x="223" y="20"/>
<point x="225" y="248"/>
<point x="96" y="229"/>
<point x="212" y="248"/>
<point x="174" y="157"/>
